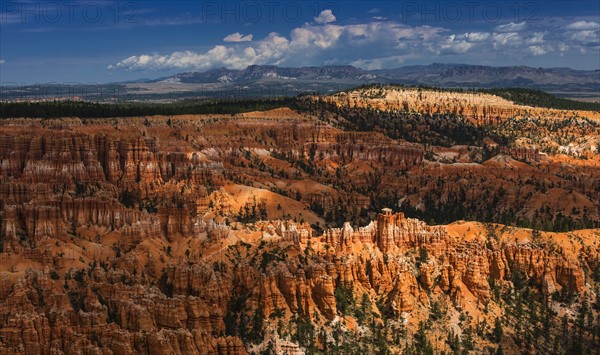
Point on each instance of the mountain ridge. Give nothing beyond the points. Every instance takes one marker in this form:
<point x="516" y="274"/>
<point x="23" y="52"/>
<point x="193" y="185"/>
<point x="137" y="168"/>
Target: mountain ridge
<point x="433" y="74"/>
<point x="269" y="80"/>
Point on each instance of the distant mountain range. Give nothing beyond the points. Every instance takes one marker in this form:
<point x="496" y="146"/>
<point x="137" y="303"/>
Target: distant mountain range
<point x="255" y="73"/>
<point x="447" y="75"/>
<point x="268" y="81"/>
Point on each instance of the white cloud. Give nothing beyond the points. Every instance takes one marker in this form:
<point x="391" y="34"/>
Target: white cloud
<point x="512" y="27"/>
<point x="321" y="42"/>
<point x="326" y="16"/>
<point x="537" y="50"/>
<point x="477" y="36"/>
<point x="268" y="50"/>
<point x="536" y="38"/>
<point x="453" y="45"/>
<point x="319" y="36"/>
<point x="586" y="37"/>
<point x="583" y="25"/>
<point x="563" y="48"/>
<point x="2" y="61"/>
<point x="502" y="40"/>
<point x="238" y="37"/>
<point x="372" y="44"/>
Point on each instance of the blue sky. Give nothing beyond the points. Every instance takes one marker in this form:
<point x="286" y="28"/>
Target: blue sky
<point x="107" y="41"/>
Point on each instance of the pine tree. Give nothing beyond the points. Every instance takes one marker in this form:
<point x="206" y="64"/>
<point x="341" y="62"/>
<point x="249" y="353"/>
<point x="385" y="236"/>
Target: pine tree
<point x="467" y="339"/>
<point x="498" y="331"/>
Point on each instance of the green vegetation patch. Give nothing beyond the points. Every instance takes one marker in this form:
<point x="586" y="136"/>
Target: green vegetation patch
<point x="83" y="109"/>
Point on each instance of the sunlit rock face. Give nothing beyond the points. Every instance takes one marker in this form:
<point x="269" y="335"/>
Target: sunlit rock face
<point x="236" y="234"/>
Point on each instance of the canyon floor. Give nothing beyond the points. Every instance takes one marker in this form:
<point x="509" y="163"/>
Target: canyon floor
<point x="376" y="220"/>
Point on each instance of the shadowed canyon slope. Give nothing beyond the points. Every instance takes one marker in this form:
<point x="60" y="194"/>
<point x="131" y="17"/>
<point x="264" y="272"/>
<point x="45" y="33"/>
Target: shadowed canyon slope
<point x="377" y="220"/>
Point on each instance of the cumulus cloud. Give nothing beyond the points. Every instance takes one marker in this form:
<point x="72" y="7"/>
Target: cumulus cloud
<point x="268" y="50"/>
<point x="454" y="45"/>
<point x="585" y="34"/>
<point x="322" y="42"/>
<point x="182" y="60"/>
<point x="586" y="37"/>
<point x="563" y="48"/>
<point x="503" y="40"/>
<point x="583" y="25"/>
<point x="372" y="45"/>
<point x="537" y="50"/>
<point x="477" y="36"/>
<point x="238" y="37"/>
<point x="322" y="37"/>
<point x="326" y="16"/>
<point x="536" y="38"/>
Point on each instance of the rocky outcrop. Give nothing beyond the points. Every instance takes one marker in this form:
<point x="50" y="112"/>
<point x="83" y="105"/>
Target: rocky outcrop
<point x="190" y="307"/>
<point x="480" y="107"/>
<point x="118" y="238"/>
